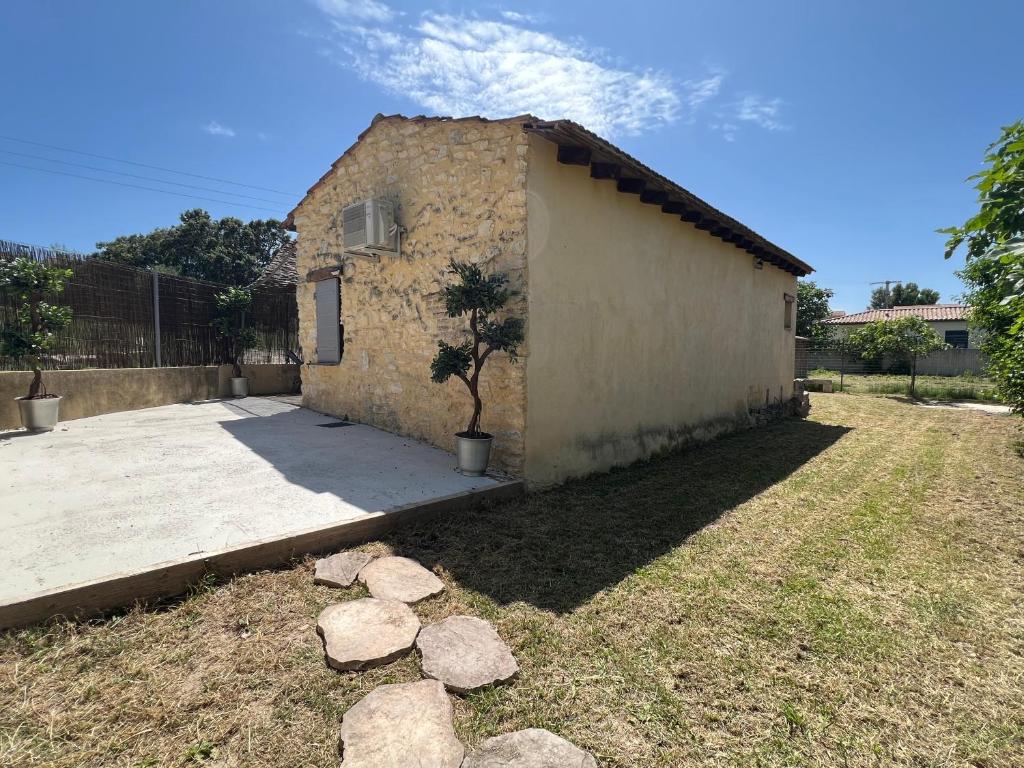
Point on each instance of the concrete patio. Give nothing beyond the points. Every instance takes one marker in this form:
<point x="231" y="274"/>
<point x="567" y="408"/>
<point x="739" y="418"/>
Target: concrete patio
<point x="110" y="509"/>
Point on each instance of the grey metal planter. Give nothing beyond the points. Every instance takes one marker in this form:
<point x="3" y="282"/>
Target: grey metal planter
<point x="473" y="453"/>
<point x="39" y="414"/>
<point x="239" y="386"/>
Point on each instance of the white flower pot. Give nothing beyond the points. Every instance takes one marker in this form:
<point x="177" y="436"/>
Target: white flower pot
<point x="39" y="414"/>
<point x="473" y="453"/>
<point x="239" y="386"/>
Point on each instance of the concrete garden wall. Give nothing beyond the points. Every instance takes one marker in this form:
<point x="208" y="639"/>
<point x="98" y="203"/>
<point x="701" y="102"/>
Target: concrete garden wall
<point x="93" y="391"/>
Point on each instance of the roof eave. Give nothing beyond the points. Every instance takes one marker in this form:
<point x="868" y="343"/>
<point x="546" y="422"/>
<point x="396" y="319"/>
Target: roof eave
<point x="578" y="146"/>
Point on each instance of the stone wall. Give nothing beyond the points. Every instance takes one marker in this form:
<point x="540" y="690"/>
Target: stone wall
<point x="459" y="189"/>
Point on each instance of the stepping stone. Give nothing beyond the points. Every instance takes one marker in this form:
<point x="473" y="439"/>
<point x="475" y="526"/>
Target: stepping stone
<point x="532" y="748"/>
<point x="399" y="578"/>
<point x="407" y="725"/>
<point x="341" y="569"/>
<point x="465" y="653"/>
<point x="366" y="633"/>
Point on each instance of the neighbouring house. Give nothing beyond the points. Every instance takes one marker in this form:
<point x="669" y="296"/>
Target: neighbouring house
<point x="947" y="320"/>
<point x="652" y="319"/>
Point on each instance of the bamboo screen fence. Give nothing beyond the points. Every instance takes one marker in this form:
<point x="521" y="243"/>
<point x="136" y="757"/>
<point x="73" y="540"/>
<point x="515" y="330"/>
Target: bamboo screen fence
<point x="115" y="310"/>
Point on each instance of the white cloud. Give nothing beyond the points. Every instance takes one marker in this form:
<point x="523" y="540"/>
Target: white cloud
<point x="520" y="18"/>
<point x="751" y="110"/>
<point x="216" y="129"/>
<point x="700" y="91"/>
<point x="455" y="65"/>
<point x="366" y="10"/>
<point x="761" y="112"/>
<point x="728" y="130"/>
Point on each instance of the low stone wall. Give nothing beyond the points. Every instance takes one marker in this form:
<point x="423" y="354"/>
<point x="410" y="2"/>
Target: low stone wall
<point x="93" y="391"/>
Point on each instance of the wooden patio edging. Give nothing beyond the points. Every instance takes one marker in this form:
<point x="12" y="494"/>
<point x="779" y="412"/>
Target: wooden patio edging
<point x="173" y="578"/>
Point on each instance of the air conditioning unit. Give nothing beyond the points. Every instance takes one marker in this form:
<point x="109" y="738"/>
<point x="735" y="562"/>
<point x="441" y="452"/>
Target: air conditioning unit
<point x="369" y="224"/>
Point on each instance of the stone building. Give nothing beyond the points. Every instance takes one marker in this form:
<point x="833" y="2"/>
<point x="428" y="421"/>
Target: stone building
<point x="652" y="319"/>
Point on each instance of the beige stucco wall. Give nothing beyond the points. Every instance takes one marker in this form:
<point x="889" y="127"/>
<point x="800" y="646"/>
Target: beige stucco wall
<point x="94" y="391"/>
<point x="644" y="332"/>
<point x="459" y="187"/>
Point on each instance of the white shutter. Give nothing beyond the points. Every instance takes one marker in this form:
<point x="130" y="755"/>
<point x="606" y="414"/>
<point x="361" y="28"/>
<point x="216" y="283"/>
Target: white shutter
<point x="328" y="321"/>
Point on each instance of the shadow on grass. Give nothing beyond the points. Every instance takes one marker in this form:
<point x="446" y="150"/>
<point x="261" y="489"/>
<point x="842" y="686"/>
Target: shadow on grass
<point x="557" y="549"/>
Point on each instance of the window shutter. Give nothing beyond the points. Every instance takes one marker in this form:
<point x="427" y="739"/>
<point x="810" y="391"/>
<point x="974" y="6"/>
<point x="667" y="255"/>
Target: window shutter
<point x="328" y="321"/>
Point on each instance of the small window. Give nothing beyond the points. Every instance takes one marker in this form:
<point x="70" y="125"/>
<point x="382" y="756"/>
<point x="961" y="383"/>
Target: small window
<point x="787" y="321"/>
<point x="957" y="339"/>
<point x="328" y="322"/>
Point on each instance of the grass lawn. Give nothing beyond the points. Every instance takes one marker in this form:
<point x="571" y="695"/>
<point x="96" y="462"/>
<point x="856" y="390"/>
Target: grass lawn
<point x="964" y="387"/>
<point x="841" y="591"/>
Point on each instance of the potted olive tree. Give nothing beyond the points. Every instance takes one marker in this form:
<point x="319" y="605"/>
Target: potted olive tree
<point x="234" y="336"/>
<point x="478" y="296"/>
<point x="32" y="330"/>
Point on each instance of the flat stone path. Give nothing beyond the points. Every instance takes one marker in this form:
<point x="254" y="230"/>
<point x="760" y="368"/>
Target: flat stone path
<point x="340" y="570"/>
<point x="530" y="748"/>
<point x="465" y="653"/>
<point x="407" y="725"/>
<point x="366" y="633"/>
<point x="399" y="578"/>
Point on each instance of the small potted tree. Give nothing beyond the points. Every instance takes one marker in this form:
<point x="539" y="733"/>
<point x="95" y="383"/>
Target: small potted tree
<point x="234" y="336"/>
<point x="32" y="330"/>
<point x="478" y="296"/>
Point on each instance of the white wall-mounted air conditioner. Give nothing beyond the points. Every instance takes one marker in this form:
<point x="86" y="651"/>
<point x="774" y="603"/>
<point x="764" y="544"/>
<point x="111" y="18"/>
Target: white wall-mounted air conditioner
<point x="369" y="225"/>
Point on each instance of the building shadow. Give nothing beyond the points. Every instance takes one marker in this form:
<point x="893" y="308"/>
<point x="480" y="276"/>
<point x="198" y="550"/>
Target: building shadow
<point x="557" y="549"/>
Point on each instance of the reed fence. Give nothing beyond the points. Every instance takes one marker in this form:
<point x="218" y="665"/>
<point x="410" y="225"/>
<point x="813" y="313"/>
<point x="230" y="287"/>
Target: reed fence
<point x="126" y="317"/>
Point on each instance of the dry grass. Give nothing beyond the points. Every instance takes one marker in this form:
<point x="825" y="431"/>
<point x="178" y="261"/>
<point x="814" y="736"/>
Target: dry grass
<point x="964" y="387"/>
<point x="844" y="591"/>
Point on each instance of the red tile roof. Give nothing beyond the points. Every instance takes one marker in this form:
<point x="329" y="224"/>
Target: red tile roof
<point x="928" y="312"/>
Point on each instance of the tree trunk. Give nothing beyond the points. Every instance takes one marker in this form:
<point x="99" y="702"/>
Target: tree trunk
<point x="37" y="382"/>
<point x="236" y="369"/>
<point x="913" y="376"/>
<point x="474" y="423"/>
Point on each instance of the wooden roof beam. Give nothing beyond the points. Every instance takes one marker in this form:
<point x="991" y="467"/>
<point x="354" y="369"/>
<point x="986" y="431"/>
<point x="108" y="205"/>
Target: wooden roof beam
<point x="631" y="186"/>
<point x="573" y="155"/>
<point x="653" y="197"/>
<point x="605" y="171"/>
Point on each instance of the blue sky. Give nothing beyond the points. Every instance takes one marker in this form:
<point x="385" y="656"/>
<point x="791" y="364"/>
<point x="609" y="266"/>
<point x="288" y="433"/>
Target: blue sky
<point x="841" y="131"/>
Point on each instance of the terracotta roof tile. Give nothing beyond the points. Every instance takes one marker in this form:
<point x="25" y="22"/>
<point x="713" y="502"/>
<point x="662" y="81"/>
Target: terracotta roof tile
<point x="924" y="311"/>
<point x="281" y="271"/>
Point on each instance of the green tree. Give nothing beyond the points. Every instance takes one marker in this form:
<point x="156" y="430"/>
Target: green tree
<point x="36" y="320"/>
<point x="224" y="250"/>
<point x="234" y="335"/>
<point x="907" y="338"/>
<point x="994" y="272"/>
<point x="478" y="296"/>
<point x="903" y="295"/>
<point x="811" y="309"/>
